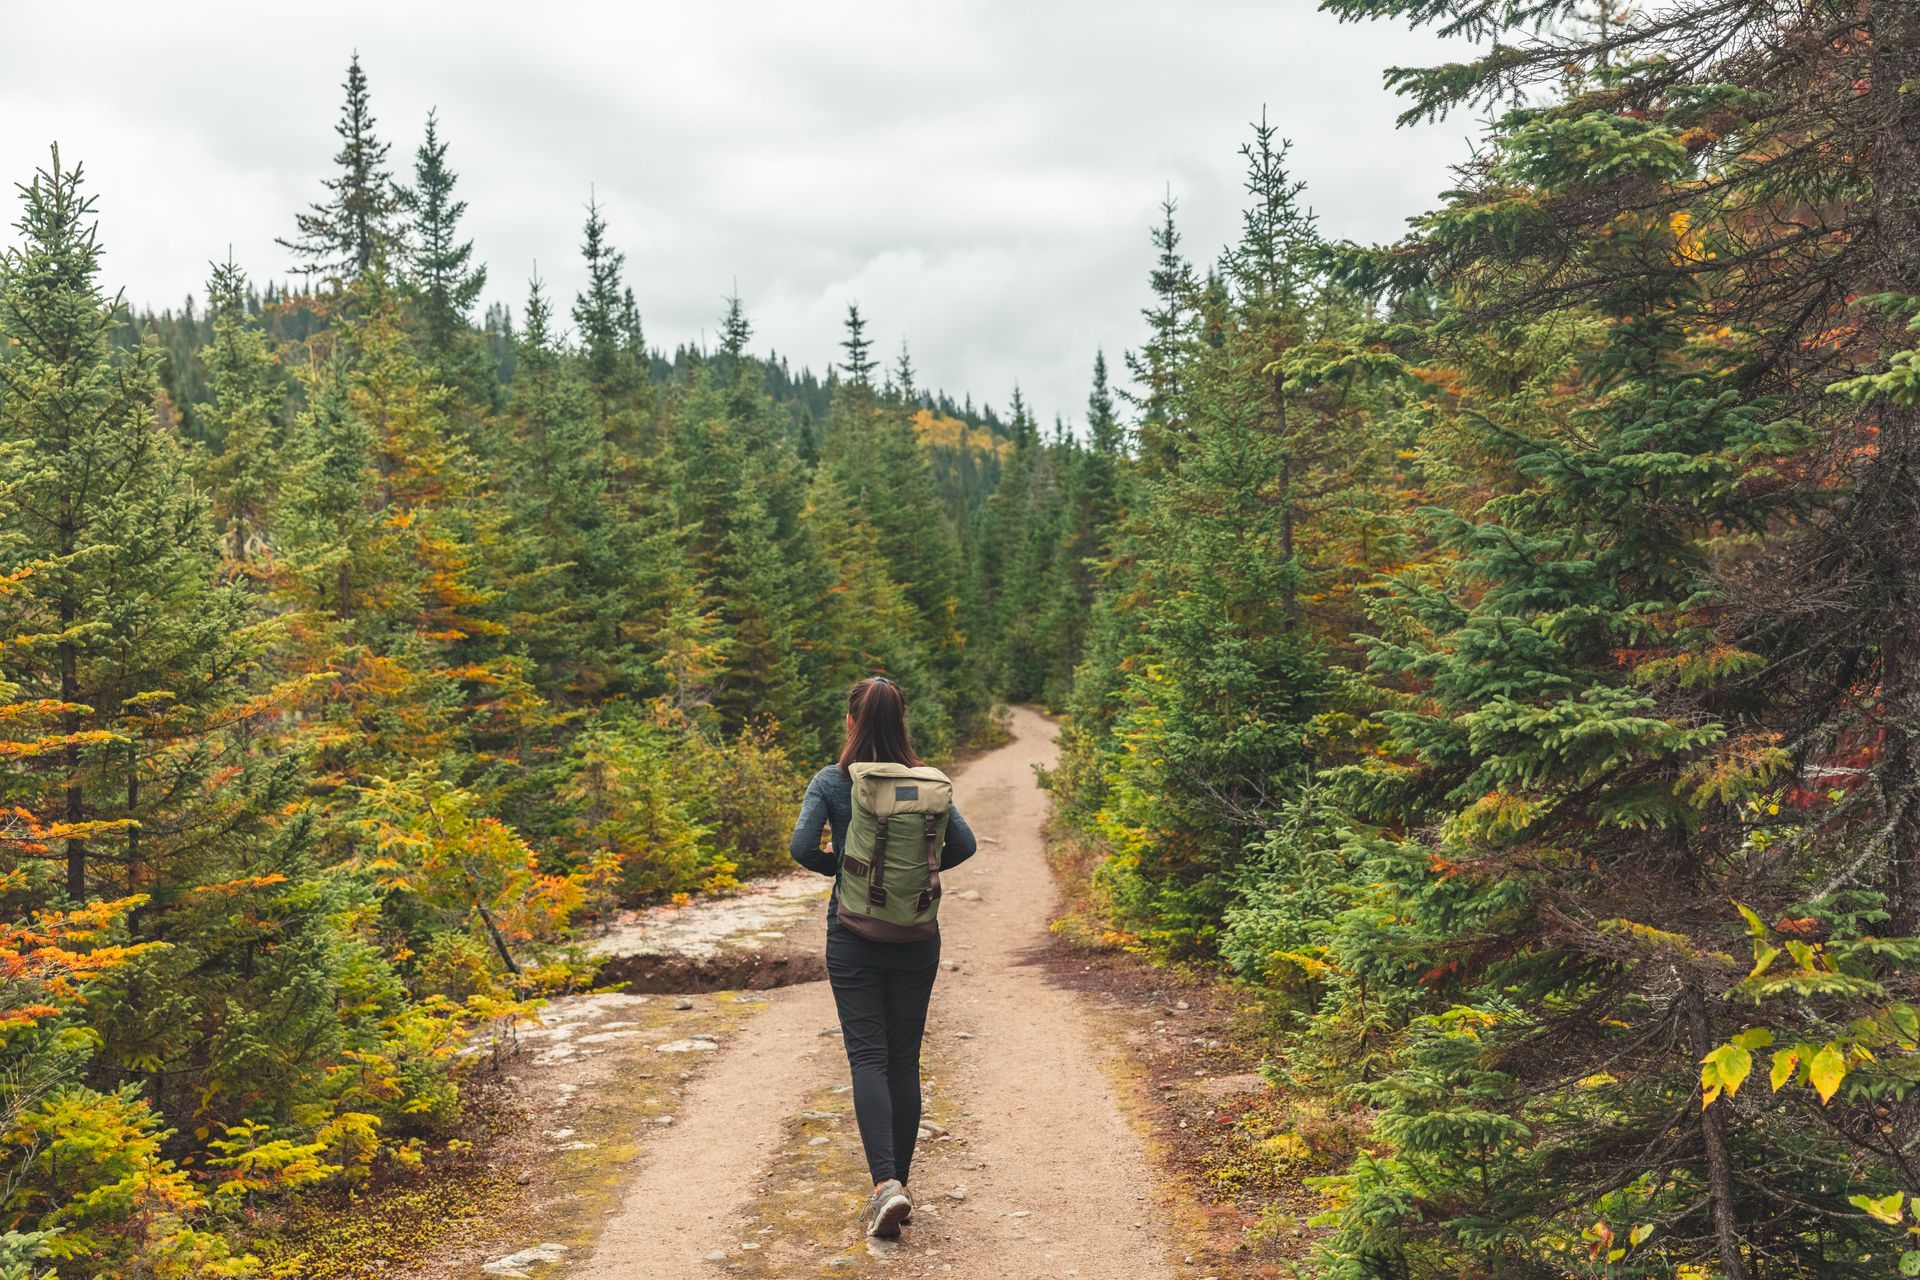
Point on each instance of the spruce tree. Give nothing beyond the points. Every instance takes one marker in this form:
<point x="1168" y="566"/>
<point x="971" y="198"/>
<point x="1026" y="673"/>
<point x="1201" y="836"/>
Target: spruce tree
<point x="242" y="423"/>
<point x="1670" y="707"/>
<point x="903" y="377"/>
<point x="599" y="314"/>
<point x="859" y="364"/>
<point x="342" y="238"/>
<point x="114" y="538"/>
<point x="567" y="606"/>
<point x="735" y="330"/>
<point x="445" y="280"/>
<point x="1105" y="433"/>
<point x="1169" y="323"/>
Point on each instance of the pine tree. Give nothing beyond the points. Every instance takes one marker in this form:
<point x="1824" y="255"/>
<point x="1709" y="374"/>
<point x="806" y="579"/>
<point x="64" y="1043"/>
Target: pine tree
<point x="344" y="237"/>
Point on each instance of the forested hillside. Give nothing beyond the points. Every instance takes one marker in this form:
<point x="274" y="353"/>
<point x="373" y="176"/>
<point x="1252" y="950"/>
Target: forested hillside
<point x="1497" y="649"/>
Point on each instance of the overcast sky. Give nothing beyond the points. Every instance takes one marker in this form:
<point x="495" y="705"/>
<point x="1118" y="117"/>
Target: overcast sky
<point x="979" y="176"/>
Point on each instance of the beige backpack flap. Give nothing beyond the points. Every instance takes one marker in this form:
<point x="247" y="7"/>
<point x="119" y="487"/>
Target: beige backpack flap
<point x="886" y="789"/>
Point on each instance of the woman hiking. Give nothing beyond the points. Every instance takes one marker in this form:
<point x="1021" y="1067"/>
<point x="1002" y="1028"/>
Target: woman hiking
<point x="894" y="829"/>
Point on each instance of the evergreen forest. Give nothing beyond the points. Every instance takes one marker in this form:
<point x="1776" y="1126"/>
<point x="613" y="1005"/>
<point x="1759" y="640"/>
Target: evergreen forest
<point x="1497" y="649"/>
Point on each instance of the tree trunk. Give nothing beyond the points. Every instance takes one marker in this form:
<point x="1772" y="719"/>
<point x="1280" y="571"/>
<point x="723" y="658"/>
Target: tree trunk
<point x="76" y="806"/>
<point x="133" y="815"/>
<point x="1286" y="475"/>
<point x="1713" y="1134"/>
<point x="499" y="943"/>
<point x="1895" y="147"/>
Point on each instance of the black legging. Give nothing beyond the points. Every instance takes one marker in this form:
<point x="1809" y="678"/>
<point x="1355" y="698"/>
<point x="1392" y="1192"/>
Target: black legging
<point x="881" y="990"/>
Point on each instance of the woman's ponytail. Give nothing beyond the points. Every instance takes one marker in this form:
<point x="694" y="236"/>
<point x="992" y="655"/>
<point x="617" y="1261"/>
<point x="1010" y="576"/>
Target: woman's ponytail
<point x="878" y="733"/>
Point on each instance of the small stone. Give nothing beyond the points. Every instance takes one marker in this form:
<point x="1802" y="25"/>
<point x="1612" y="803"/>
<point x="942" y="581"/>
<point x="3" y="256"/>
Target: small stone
<point x="516" y="1264"/>
<point x="1021" y="1213"/>
<point x="819" y="1115"/>
<point x="963" y="1035"/>
<point x="718" y="1255"/>
<point x="686" y="1046"/>
<point x="957" y="1194"/>
<point x="818" y="1142"/>
<point x="577" y="1146"/>
<point x="829" y="1031"/>
<point x="950" y="966"/>
<point x="928" y="1129"/>
<point x="683" y="1004"/>
<point x="968" y="895"/>
<point x="663" y="1121"/>
<point x="1181" y="1004"/>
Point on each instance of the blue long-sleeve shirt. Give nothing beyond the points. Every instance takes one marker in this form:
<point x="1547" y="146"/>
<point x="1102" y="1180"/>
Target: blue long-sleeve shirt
<point x="829" y="803"/>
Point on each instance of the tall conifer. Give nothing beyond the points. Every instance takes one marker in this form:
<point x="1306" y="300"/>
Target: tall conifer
<point x="343" y="237"/>
<point x="440" y="269"/>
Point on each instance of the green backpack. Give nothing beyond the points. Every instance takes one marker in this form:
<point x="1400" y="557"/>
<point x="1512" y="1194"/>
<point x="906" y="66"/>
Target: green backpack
<point x="890" y="870"/>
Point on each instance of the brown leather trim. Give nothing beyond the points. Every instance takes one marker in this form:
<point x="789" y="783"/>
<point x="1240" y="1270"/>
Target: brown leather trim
<point x="930" y="833"/>
<point x="856" y="866"/>
<point x="885" y="931"/>
<point x="876" y="890"/>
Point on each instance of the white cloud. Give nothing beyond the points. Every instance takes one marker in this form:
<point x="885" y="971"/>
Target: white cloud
<point x="979" y="176"/>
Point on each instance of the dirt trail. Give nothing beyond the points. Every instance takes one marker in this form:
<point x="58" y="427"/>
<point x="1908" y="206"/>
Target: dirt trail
<point x="1055" y="1181"/>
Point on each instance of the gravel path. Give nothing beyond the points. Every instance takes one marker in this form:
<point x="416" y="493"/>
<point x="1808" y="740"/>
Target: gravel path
<point x="1056" y="1182"/>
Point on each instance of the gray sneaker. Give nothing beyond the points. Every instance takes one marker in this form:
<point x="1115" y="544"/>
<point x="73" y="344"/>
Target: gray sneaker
<point x="887" y="1209"/>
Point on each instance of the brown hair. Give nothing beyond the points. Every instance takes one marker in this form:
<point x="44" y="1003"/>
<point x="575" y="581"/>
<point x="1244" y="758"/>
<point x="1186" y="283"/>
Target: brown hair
<point x="879" y="732"/>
